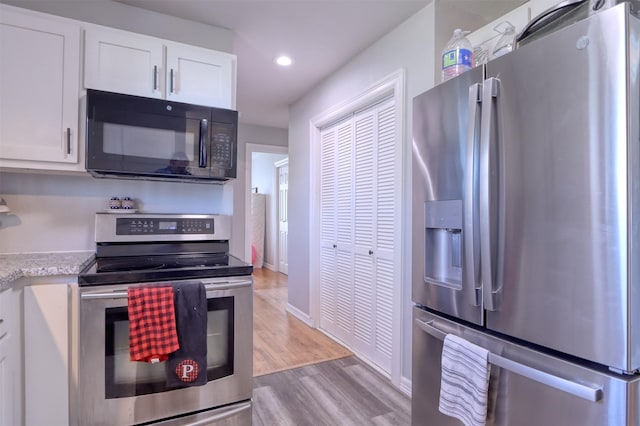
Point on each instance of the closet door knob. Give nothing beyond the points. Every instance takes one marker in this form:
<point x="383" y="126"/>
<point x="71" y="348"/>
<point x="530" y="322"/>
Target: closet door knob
<point x="370" y="252"/>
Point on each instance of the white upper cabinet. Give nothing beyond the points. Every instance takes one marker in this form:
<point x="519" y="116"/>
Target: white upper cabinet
<point x="200" y="76"/>
<point x="118" y="61"/>
<point x="39" y="89"/>
<point x="123" y="62"/>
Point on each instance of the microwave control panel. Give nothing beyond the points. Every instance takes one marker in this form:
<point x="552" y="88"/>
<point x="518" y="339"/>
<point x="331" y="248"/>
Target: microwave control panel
<point x="222" y="146"/>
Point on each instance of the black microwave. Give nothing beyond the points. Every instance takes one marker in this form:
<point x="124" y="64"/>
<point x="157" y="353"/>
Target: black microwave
<point x="133" y="137"/>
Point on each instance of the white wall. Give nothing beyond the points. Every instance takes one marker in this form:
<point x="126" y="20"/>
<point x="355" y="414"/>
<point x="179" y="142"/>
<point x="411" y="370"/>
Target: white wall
<point x="129" y="18"/>
<point x="415" y="46"/>
<point x="263" y="174"/>
<point x="409" y="46"/>
<point x="56" y="212"/>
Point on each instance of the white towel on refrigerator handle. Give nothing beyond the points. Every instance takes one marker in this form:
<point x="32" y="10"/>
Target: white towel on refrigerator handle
<point x="465" y="381"/>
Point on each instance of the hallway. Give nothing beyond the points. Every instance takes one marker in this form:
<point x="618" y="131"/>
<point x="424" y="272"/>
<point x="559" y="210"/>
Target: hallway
<point x="280" y="340"/>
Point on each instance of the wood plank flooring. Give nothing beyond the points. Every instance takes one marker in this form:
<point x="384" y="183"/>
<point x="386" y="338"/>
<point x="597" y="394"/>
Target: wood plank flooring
<point x="341" y="392"/>
<point x="280" y="340"/>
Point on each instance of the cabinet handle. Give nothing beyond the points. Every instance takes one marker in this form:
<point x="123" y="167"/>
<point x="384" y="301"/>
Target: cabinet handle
<point x="335" y="246"/>
<point x="68" y="141"/>
<point x="370" y="252"/>
<point x="155" y="78"/>
<point x="171" y="81"/>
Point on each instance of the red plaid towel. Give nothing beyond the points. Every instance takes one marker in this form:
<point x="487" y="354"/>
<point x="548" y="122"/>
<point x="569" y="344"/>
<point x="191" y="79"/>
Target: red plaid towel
<point x="152" y="324"/>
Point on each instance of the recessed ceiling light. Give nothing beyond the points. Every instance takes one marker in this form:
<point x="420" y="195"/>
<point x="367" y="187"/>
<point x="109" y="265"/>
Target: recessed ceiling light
<point x="283" y="61"/>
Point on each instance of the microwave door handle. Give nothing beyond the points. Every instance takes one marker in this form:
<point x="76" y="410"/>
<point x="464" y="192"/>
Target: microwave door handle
<point x="202" y="144"/>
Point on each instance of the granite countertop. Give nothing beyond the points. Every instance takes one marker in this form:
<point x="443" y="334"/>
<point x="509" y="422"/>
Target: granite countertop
<point x="14" y="266"/>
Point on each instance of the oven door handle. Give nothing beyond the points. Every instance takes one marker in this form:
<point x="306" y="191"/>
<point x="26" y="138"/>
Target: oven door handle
<point x="208" y="286"/>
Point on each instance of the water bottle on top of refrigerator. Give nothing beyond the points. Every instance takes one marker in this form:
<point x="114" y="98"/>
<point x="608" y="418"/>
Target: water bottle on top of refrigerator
<point x="457" y="56"/>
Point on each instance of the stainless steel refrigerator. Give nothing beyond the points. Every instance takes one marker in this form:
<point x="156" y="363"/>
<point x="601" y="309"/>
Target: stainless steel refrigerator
<point x="526" y="227"/>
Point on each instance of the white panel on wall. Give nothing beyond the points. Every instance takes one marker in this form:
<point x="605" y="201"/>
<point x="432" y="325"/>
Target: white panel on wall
<point x="57" y="212"/>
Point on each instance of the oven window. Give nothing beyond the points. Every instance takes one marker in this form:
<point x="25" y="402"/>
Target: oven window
<point x="124" y="378"/>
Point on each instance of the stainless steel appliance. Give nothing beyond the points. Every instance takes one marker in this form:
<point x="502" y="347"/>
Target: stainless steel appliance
<point x="135" y="137"/>
<point x="133" y="249"/>
<point x="526" y="201"/>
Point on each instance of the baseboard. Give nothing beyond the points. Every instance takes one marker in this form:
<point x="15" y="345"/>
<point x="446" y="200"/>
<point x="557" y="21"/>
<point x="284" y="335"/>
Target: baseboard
<point x="269" y="266"/>
<point x="405" y="386"/>
<point x="300" y="315"/>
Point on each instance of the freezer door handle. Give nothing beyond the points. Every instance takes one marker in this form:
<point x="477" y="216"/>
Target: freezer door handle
<point x="470" y="273"/>
<point x="590" y="393"/>
<point x="488" y="179"/>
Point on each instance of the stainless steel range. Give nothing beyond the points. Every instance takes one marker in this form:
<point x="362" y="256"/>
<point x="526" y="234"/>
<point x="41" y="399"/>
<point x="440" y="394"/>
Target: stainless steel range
<point x="134" y="249"/>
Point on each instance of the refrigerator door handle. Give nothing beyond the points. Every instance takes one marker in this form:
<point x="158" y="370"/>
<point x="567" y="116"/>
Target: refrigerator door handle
<point x="593" y="394"/>
<point x="490" y="91"/>
<point x="470" y="273"/>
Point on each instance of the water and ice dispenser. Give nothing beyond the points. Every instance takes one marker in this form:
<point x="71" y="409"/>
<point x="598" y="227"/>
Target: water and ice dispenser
<point x="443" y="243"/>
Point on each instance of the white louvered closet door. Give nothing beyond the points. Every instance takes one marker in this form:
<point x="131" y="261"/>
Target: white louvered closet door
<point x="364" y="190"/>
<point x="358" y="231"/>
<point x="328" y="290"/>
<point x="375" y="227"/>
<point x="344" y="232"/>
<point x="387" y="229"/>
<point x="336" y="246"/>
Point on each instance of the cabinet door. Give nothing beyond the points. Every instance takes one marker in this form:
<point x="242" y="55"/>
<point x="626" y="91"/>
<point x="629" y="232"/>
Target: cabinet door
<point x="46" y="331"/>
<point x="7" y="367"/>
<point x="123" y="62"/>
<point x="200" y="76"/>
<point x="39" y="85"/>
<point x="6" y="383"/>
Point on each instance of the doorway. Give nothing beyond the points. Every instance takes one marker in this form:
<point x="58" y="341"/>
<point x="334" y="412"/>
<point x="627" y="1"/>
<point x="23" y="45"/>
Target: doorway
<point x="262" y="221"/>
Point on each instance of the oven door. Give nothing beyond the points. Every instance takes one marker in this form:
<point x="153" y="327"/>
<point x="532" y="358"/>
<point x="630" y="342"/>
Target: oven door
<point x="111" y="390"/>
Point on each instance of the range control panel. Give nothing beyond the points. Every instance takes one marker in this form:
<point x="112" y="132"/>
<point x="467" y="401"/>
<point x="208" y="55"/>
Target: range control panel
<point x="163" y="226"/>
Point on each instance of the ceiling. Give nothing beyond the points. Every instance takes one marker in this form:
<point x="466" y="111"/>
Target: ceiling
<point x="320" y="35"/>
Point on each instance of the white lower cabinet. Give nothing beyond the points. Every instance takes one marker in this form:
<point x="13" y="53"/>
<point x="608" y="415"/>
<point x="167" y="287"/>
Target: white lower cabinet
<point x="8" y="366"/>
<point x="46" y="354"/>
<point x="39" y="91"/>
<point x="6" y="383"/>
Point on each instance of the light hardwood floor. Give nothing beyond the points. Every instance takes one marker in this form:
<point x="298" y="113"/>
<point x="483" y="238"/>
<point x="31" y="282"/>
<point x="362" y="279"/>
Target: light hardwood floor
<point x="280" y="340"/>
